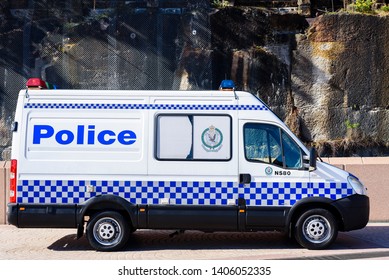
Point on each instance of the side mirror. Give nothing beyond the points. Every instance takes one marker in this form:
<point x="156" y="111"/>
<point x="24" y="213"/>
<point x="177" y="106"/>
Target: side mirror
<point x="312" y="159"/>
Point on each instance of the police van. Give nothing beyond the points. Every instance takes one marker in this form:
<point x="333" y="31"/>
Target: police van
<point x="110" y="162"/>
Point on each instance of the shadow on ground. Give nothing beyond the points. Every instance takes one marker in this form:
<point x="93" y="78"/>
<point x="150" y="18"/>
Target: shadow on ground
<point x="150" y="240"/>
<point x="147" y="240"/>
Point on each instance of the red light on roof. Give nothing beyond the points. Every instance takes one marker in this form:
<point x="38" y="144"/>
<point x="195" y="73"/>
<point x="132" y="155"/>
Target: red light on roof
<point x="36" y="83"/>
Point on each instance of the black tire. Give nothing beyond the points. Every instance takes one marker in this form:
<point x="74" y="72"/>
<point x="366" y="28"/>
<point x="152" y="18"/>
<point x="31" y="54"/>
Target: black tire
<point x="316" y="229"/>
<point x="107" y="231"/>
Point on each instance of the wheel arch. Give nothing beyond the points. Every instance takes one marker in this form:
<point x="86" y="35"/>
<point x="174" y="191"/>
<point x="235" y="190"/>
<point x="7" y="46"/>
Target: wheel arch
<point x="106" y="202"/>
<point x="310" y="203"/>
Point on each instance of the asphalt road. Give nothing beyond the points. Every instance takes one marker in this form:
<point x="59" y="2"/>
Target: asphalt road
<point x="371" y="242"/>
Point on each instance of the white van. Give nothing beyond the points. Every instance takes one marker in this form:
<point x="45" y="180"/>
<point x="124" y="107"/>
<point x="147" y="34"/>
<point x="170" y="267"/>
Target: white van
<point x="119" y="161"/>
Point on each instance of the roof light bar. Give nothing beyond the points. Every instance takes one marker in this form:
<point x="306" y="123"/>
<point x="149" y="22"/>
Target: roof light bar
<point x="228" y="85"/>
<point x="37" y="83"/>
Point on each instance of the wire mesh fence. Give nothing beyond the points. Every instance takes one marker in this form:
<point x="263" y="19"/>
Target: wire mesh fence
<point x="115" y="45"/>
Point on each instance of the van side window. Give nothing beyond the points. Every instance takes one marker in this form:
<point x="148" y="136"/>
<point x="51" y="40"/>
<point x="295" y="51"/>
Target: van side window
<point x="193" y="137"/>
<point x="269" y="144"/>
<point x="174" y="137"/>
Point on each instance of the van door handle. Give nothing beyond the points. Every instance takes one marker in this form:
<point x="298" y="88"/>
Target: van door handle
<point x="244" y="178"/>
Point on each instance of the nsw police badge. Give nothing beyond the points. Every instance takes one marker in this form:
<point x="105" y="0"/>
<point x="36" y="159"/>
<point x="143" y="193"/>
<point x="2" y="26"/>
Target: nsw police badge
<point x="212" y="139"/>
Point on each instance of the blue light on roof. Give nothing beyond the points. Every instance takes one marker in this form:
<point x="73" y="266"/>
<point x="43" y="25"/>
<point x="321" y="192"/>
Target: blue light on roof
<point x="227" y="84"/>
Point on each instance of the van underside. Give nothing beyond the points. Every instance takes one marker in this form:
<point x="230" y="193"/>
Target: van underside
<point x="354" y="215"/>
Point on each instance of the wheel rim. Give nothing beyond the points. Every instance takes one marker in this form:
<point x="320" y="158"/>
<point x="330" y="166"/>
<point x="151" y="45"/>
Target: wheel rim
<point x="107" y="231"/>
<point x="317" y="229"/>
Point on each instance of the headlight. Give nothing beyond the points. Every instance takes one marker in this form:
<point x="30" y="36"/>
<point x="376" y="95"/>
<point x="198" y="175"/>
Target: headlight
<point x="358" y="187"/>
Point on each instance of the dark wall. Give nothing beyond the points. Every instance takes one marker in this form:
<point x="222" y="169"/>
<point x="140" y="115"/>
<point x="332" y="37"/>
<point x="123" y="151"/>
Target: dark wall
<point x="177" y="44"/>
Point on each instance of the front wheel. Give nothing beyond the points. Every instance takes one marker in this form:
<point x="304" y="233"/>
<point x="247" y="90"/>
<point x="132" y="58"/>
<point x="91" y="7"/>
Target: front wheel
<point x="107" y="231"/>
<point x="316" y="229"/>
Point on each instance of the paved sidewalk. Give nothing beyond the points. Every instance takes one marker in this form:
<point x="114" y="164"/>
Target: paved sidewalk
<point x="371" y="242"/>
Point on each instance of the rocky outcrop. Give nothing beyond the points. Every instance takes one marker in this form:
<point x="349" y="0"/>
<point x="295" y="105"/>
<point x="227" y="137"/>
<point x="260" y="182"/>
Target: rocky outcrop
<point x="328" y="79"/>
<point x="253" y="47"/>
<point x="340" y="80"/>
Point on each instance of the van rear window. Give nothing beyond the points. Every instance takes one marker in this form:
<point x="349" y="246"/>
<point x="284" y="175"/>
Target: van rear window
<point x="193" y="137"/>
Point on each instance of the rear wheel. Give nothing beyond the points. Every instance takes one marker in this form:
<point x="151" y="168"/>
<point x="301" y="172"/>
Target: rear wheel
<point x="316" y="229"/>
<point x="107" y="231"/>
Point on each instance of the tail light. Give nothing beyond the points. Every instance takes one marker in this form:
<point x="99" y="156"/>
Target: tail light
<point x="13" y="180"/>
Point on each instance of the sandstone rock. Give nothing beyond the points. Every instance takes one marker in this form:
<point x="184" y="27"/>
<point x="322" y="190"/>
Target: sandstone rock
<point x="340" y="76"/>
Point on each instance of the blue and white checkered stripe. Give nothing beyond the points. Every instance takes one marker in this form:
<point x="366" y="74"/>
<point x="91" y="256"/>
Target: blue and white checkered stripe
<point x="287" y="193"/>
<point x="99" y="106"/>
<point x="180" y="193"/>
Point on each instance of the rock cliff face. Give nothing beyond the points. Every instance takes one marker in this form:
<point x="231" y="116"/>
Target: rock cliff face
<point x="329" y="79"/>
<point x="340" y="80"/>
<point x="254" y="48"/>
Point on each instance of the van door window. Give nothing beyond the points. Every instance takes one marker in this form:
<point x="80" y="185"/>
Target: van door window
<point x="269" y="144"/>
<point x="292" y="152"/>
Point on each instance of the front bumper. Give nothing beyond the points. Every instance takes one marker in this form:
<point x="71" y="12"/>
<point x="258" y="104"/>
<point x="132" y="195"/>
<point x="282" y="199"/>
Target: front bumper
<point x="354" y="211"/>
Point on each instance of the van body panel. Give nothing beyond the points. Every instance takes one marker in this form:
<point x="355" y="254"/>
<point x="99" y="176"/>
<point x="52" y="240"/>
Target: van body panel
<point x="189" y="217"/>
